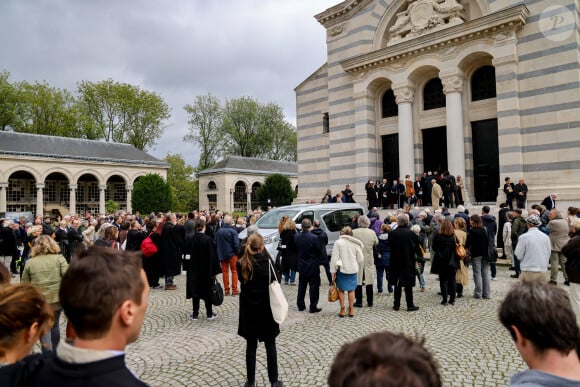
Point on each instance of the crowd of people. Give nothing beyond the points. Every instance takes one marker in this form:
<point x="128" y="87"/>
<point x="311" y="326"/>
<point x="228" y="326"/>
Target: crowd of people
<point x="389" y="253"/>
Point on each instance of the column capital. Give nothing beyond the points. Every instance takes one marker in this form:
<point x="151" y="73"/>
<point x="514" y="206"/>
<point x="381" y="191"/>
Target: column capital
<point x="404" y="94"/>
<point x="39" y="185"/>
<point x="129" y="188"/>
<point x="73" y="186"/>
<point x="452" y="83"/>
<point x="102" y="187"/>
<point x="3" y="185"/>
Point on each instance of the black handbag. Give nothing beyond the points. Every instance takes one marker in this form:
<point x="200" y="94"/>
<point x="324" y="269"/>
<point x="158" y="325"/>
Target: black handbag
<point x="217" y="293"/>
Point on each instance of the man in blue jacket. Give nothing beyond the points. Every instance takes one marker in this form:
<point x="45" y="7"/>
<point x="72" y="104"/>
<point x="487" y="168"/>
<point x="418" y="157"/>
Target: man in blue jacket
<point x="309" y="252"/>
<point x="228" y="245"/>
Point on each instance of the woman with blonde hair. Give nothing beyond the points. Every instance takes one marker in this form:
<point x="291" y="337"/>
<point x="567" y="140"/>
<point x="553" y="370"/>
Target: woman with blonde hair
<point x="256" y="322"/>
<point x="288" y="251"/>
<point x="24" y="317"/>
<point x="45" y="270"/>
<point x="462" y="277"/>
<point x="347" y="258"/>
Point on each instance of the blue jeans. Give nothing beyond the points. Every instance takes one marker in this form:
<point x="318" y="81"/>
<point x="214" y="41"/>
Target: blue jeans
<point x="383" y="270"/>
<point x="481" y="277"/>
<point x="49" y="341"/>
<point x="290" y="276"/>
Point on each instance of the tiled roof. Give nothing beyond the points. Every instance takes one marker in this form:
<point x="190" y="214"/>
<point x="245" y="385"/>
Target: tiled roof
<point x="34" y="145"/>
<point x="252" y="165"/>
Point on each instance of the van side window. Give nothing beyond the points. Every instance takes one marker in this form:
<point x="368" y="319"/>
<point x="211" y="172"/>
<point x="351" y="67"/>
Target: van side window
<point x="336" y="220"/>
<point x="304" y="215"/>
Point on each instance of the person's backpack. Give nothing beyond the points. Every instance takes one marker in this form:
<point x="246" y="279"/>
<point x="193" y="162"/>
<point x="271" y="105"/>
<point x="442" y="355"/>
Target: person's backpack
<point x="148" y="247"/>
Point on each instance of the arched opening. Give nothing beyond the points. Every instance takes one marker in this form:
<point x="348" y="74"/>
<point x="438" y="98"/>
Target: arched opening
<point x="254" y="197"/>
<point x="87" y="194"/>
<point x="240" y="202"/>
<point x="483" y="84"/>
<point x="433" y="96"/>
<point x="56" y="194"/>
<point x="21" y="192"/>
<point x="389" y="106"/>
<point x="117" y="192"/>
<point x="211" y="186"/>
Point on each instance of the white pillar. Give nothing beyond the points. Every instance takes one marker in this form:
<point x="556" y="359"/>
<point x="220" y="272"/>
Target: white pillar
<point x="102" y="207"/>
<point x="453" y="89"/>
<point x="129" y="198"/>
<point x="3" y="187"/>
<point x="404" y="98"/>
<point x="248" y="200"/>
<point x="40" y="199"/>
<point x="73" y="199"/>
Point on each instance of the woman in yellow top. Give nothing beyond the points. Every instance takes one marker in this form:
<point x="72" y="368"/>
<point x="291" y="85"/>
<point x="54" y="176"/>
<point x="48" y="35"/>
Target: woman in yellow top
<point x="45" y="270"/>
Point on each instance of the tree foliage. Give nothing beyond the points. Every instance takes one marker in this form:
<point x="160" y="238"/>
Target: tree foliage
<point x="241" y="127"/>
<point x="8" y="101"/>
<point x="205" y="121"/>
<point x="276" y="191"/>
<point x="151" y="194"/>
<point x="119" y="112"/>
<point x="184" y="188"/>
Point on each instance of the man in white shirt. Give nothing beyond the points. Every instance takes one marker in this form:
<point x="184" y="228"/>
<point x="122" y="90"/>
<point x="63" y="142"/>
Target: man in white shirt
<point x="533" y="250"/>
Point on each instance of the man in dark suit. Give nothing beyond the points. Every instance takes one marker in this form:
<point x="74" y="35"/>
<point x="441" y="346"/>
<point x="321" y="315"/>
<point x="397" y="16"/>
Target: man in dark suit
<point x="550" y="201"/>
<point x="404" y="245"/>
<point x="309" y="252"/>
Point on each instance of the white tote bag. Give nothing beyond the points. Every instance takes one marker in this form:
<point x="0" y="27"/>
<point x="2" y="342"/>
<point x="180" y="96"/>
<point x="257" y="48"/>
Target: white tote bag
<point x="278" y="302"/>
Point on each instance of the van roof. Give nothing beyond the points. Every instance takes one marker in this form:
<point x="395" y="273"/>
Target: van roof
<point x="320" y="206"/>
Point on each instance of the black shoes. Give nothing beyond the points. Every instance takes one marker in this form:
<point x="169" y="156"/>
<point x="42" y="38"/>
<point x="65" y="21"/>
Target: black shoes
<point x="412" y="309"/>
<point x="396" y="307"/>
<point x="357" y="305"/>
<point x="567" y="283"/>
<point x="515" y="276"/>
<point x="301" y="309"/>
<point x="315" y="310"/>
<point x="444" y="303"/>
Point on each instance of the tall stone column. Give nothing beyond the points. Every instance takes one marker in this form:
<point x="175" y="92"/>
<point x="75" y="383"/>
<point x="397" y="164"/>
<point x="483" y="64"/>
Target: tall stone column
<point x="453" y="89"/>
<point x="405" y="96"/>
<point x="3" y="187"/>
<point x="40" y="199"/>
<point x="102" y="207"/>
<point x="73" y="199"/>
<point x="248" y="200"/>
<point x="129" y="189"/>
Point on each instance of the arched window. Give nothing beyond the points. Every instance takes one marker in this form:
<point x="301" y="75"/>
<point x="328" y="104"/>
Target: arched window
<point x="483" y="84"/>
<point x="240" y="202"/>
<point x="389" y="104"/>
<point x="211" y="186"/>
<point x="254" y="198"/>
<point x="433" y="96"/>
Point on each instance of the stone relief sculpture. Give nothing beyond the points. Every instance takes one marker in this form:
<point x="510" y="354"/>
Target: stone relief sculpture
<point x="424" y="16"/>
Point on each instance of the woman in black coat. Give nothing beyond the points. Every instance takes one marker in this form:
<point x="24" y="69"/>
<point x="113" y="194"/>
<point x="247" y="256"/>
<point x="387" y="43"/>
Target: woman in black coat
<point x="256" y="321"/>
<point x="288" y="251"/>
<point x="202" y="269"/>
<point x="477" y="244"/>
<point x="445" y="262"/>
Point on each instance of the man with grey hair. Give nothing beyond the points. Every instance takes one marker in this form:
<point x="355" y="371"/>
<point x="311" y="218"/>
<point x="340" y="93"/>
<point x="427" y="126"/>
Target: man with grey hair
<point x="405" y="247"/>
<point x="228" y="244"/>
<point x="170" y="250"/>
<point x="309" y="252"/>
<point x="533" y="251"/>
<point x="365" y="271"/>
<point x="558" y="228"/>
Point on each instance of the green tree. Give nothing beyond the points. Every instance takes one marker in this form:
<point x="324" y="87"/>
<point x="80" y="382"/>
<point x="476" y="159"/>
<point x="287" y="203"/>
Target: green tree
<point x="120" y="112"/>
<point x="111" y="206"/>
<point x="246" y="133"/>
<point x="42" y="109"/>
<point x="183" y="186"/>
<point x="151" y="193"/>
<point x="277" y="189"/>
<point x="8" y="101"/>
<point x="205" y="128"/>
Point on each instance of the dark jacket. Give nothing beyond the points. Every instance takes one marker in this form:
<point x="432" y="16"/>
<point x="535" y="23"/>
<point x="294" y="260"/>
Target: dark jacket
<point x="110" y="372"/>
<point x="491" y="226"/>
<point x="256" y="321"/>
<point x="227" y="242"/>
<point x="309" y="253"/>
<point x="9" y="242"/>
<point x="134" y="239"/>
<point x="477" y="242"/>
<point x="24" y="372"/>
<point x="323" y="239"/>
<point x="404" y="245"/>
<point x="443" y="254"/>
<point x="572" y="252"/>
<point x="169" y="250"/>
<point x="384" y="251"/>
<point x="75" y="240"/>
<point x="519" y="227"/>
<point x="203" y="265"/>
<point x="288" y="251"/>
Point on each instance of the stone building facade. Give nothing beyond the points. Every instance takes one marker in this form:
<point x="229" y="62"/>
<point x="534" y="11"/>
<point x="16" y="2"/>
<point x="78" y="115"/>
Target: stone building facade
<point x="56" y="175"/>
<point x="231" y="184"/>
<point x="483" y="88"/>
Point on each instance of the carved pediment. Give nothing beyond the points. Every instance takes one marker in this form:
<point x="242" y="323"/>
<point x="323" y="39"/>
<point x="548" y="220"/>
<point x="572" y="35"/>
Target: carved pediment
<point x="425" y="16"/>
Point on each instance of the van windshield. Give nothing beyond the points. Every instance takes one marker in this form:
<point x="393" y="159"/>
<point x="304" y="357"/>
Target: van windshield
<point x="271" y="218"/>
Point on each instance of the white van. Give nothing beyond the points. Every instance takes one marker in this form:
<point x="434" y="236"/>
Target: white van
<point x="333" y="217"/>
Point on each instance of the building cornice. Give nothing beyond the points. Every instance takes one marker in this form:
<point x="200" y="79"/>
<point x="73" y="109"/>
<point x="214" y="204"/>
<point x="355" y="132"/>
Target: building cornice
<point x="340" y="12"/>
<point x="76" y="159"/>
<point x="245" y="172"/>
<point x="509" y="19"/>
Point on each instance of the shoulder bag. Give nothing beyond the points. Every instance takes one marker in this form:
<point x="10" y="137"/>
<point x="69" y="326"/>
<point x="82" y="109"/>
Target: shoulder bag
<point x="148" y="247"/>
<point x="217" y="293"/>
<point x="278" y="302"/>
<point x="333" y="293"/>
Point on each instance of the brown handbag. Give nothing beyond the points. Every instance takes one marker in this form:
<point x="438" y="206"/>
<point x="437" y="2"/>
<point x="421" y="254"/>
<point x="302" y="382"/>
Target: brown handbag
<point x="460" y="250"/>
<point x="332" y="293"/>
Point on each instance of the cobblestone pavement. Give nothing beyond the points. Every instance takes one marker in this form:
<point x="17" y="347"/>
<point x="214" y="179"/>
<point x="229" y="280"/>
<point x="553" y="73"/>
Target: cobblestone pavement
<point x="470" y="344"/>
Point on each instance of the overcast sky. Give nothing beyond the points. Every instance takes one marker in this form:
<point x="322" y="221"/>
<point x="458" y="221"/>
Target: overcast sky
<point x="177" y="48"/>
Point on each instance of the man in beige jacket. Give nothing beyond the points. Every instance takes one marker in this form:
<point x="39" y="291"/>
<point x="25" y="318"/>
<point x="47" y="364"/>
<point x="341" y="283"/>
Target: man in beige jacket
<point x="558" y="227"/>
<point x="436" y="194"/>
